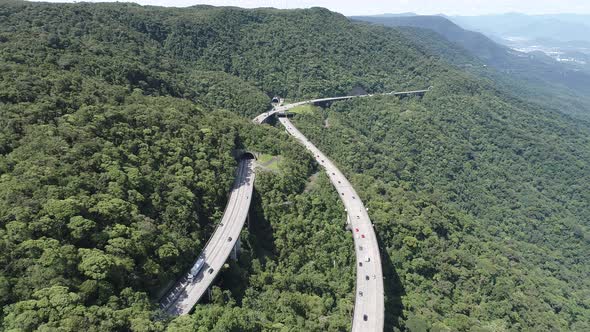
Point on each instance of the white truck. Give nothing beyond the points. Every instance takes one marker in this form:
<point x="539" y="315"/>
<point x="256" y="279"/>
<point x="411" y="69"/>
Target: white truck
<point x="196" y="268"/>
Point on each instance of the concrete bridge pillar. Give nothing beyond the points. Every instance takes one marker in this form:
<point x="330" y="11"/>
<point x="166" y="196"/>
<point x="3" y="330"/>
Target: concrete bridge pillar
<point x="235" y="250"/>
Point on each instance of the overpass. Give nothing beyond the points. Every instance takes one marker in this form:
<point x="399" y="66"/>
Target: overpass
<point x="187" y="291"/>
<point x="327" y="101"/>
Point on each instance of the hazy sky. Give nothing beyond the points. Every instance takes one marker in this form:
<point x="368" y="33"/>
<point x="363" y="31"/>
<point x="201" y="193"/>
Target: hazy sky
<point x="349" y="7"/>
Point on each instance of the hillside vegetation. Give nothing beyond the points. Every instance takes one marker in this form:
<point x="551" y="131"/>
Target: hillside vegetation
<point x="479" y="203"/>
<point x="118" y="128"/>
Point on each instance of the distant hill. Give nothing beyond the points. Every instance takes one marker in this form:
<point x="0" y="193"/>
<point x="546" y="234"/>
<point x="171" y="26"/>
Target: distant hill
<point x="561" y="27"/>
<point x="564" y="37"/>
<point x="396" y="15"/>
<point x="554" y="29"/>
<point x="536" y="69"/>
<point x="474" y="42"/>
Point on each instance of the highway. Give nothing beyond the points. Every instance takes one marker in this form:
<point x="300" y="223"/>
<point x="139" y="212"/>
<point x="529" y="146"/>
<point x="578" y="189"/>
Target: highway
<point x="265" y="116"/>
<point x="369" y="294"/>
<point x="185" y="294"/>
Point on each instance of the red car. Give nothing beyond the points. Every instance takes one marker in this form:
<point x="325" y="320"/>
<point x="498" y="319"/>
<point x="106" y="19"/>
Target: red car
<point x="356" y="229"/>
<point x="363" y="236"/>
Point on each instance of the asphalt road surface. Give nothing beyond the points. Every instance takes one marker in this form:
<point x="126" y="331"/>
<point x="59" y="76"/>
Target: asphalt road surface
<point x="369" y="303"/>
<point x="185" y="293"/>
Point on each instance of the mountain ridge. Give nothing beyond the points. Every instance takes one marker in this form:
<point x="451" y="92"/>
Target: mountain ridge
<point x="118" y="128"/>
<point x="534" y="69"/>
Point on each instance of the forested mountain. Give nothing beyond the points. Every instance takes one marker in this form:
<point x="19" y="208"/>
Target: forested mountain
<point x="118" y="125"/>
<point x="476" y="43"/>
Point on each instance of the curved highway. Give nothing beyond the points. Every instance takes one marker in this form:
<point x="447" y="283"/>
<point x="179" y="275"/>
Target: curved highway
<point x="369" y="306"/>
<point x="186" y="292"/>
<point x="369" y="303"/>
<point x="369" y="298"/>
<point x="265" y="116"/>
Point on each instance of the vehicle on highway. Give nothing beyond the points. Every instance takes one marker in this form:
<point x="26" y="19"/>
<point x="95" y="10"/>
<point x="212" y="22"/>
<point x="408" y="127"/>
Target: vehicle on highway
<point x="356" y="229"/>
<point x="229" y="239"/>
<point x="210" y="270"/>
<point x="365" y="318"/>
<point x="368" y="259"/>
<point x="363" y="236"/>
<point x="196" y="268"/>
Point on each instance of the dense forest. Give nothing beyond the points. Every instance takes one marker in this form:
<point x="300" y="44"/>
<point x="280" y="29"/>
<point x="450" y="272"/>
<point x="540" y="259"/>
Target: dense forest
<point x="479" y="203"/>
<point x="118" y="130"/>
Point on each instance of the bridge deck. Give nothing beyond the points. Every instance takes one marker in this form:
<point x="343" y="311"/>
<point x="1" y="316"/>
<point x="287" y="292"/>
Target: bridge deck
<point x="264" y="116"/>
<point x="369" y="295"/>
<point x="185" y="294"/>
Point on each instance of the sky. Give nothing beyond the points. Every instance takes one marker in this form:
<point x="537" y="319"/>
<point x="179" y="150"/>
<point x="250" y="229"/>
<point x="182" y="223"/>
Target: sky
<point x="371" y="7"/>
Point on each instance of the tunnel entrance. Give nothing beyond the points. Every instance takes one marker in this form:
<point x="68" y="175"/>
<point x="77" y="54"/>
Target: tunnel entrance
<point x="247" y="155"/>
